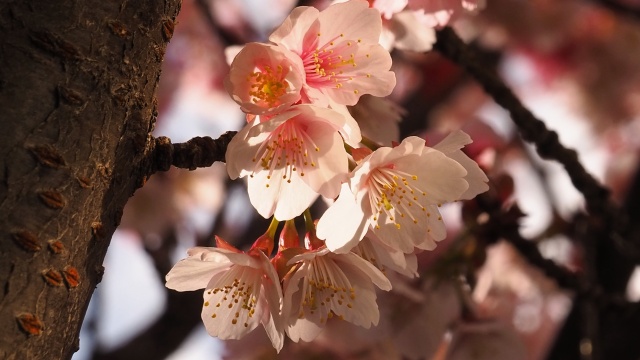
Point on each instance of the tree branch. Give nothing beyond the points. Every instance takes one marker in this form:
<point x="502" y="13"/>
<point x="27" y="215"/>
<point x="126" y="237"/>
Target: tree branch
<point x="533" y="130"/>
<point x="195" y="153"/>
<point x="504" y="225"/>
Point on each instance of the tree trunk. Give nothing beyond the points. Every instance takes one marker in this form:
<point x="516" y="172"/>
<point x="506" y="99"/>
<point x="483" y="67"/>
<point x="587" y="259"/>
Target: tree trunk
<point x="77" y="84"/>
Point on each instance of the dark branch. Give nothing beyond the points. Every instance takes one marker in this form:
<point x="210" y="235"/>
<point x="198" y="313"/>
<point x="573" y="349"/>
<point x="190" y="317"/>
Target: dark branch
<point x="532" y="129"/>
<point x="604" y="213"/>
<point x="503" y="225"/>
<point x="195" y="153"/>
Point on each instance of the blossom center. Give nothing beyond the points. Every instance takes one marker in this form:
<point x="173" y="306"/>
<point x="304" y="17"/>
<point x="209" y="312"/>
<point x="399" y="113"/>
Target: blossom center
<point x="287" y="148"/>
<point x="396" y="194"/>
<point x="326" y="290"/>
<point x="332" y="64"/>
<point x="267" y="86"/>
<point x="235" y="295"/>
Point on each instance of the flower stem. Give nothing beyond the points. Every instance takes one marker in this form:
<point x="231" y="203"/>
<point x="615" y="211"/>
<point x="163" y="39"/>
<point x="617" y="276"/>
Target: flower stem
<point x="308" y="221"/>
<point x="271" y="231"/>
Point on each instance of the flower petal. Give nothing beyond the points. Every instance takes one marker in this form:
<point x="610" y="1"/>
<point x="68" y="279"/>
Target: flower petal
<point x="411" y="33"/>
<point x="273" y="324"/>
<point x="385" y="257"/>
<point x="331" y="161"/>
<point x="291" y="33"/>
<point x="297" y="329"/>
<point x="193" y="274"/>
<point x="232" y="305"/>
<point x="241" y="150"/>
<point x="476" y="178"/>
<point x="283" y="199"/>
<point x="344" y="224"/>
<point x="375" y="275"/>
<point x="369" y="75"/>
<point x="439" y="176"/>
<point x="350" y="20"/>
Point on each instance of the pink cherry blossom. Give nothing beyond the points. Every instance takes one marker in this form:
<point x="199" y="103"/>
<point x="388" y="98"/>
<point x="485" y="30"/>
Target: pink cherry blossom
<point x="389" y="7"/>
<point x="242" y="290"/>
<point x="396" y="192"/>
<point x="290" y="159"/>
<point x="265" y="79"/>
<point x="410" y="24"/>
<point x="324" y="285"/>
<point x="409" y="30"/>
<point x="339" y="50"/>
<point x="442" y="12"/>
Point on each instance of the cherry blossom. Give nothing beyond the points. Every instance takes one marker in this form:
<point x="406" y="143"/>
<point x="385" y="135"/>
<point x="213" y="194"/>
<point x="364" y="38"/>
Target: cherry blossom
<point x="411" y="24"/>
<point x="295" y="92"/>
<point x="290" y="159"/>
<point x="442" y="12"/>
<point x="396" y="192"/>
<point x="408" y="30"/>
<point x="324" y="285"/>
<point x="265" y="79"/>
<point x="241" y="290"/>
<point x="340" y="52"/>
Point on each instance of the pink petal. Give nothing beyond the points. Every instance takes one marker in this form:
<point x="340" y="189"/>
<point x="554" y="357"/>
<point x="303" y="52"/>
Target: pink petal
<point x="344" y="224"/>
<point x="293" y="30"/>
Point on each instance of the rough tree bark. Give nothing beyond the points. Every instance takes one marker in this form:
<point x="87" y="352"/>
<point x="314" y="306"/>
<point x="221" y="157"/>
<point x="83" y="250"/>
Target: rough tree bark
<point x="77" y="84"/>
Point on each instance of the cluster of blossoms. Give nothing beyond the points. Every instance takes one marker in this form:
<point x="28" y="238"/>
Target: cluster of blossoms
<point x="301" y="142"/>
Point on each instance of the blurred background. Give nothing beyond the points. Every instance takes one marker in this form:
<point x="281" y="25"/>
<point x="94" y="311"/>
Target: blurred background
<point x="574" y="63"/>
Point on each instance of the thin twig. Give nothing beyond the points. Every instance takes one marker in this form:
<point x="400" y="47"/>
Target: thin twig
<point x="532" y="129"/>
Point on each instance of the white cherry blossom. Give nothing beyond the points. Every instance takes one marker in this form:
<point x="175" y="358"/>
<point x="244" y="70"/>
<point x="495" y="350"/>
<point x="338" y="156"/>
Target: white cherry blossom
<point x="396" y="193"/>
<point x="242" y="290"/>
<point x="325" y="285"/>
<point x="290" y="159"/>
